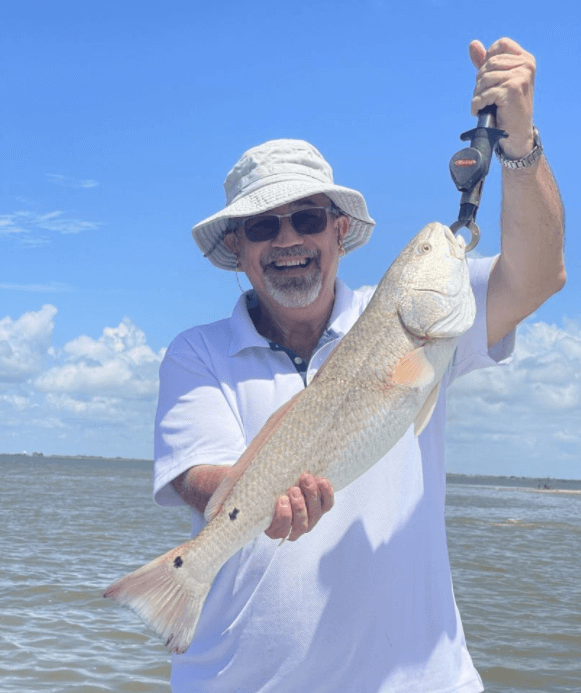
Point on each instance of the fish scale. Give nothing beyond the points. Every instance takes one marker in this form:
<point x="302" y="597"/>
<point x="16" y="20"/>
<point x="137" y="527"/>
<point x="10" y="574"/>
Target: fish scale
<point x="382" y="377"/>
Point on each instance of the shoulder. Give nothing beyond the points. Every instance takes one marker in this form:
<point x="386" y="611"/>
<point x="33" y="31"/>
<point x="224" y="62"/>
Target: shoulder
<point x="202" y="339"/>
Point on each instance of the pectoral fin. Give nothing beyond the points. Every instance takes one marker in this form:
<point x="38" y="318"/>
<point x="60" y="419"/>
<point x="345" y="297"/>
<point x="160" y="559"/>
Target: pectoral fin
<point x="425" y="413"/>
<point x="413" y="369"/>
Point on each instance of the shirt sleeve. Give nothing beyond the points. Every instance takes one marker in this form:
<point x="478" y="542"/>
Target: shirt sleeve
<point x="194" y="423"/>
<point x="472" y="351"/>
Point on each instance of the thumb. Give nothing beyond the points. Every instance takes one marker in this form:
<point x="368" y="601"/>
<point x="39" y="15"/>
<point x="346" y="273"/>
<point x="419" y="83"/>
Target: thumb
<point x="477" y="53"/>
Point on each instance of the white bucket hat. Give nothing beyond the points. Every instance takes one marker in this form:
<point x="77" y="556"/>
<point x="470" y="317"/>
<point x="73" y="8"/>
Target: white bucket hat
<point x="273" y="174"/>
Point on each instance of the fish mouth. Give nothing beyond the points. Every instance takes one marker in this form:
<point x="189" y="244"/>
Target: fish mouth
<point x="430" y="291"/>
<point x="446" y="294"/>
<point x="457" y="243"/>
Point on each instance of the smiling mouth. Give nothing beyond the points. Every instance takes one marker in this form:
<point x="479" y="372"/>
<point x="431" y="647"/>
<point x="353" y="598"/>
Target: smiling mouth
<point x="294" y="263"/>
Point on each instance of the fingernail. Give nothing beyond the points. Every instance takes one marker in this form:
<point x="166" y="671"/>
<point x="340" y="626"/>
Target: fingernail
<point x="296" y="493"/>
<point x="284" y="502"/>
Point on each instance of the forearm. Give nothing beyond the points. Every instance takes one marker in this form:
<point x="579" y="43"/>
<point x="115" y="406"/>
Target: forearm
<point x="197" y="484"/>
<point x="530" y="268"/>
<point x="532" y="225"/>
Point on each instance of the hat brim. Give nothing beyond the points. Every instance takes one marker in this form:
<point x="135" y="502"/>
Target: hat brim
<point x="209" y="233"/>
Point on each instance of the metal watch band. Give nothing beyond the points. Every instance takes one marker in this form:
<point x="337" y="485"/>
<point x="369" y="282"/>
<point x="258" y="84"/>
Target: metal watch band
<point x="525" y="161"/>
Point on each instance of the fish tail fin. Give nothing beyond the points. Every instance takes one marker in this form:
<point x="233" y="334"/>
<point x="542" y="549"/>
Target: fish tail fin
<point x="166" y="596"/>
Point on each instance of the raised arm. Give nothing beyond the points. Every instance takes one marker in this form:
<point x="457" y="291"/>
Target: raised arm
<point x="531" y="265"/>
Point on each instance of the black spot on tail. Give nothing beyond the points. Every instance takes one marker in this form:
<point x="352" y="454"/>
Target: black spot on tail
<point x="233" y="514"/>
<point x="178" y="563"/>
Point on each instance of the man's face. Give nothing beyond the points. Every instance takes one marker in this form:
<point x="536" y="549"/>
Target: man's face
<point x="292" y="269"/>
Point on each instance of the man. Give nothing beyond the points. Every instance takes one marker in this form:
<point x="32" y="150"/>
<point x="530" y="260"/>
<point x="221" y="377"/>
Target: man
<point x="363" y="604"/>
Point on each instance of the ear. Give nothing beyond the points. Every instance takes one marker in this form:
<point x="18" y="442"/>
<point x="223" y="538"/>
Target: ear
<point x="231" y="242"/>
<point x="343" y="227"/>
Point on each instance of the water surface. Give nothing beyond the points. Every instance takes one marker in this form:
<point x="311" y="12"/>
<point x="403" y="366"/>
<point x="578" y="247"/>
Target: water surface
<point x="71" y="526"/>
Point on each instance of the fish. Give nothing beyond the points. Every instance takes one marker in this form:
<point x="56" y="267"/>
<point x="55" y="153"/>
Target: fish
<point x="382" y="377"/>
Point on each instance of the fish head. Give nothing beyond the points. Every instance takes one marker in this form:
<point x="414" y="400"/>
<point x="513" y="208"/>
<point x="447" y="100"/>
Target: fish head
<point x="434" y="298"/>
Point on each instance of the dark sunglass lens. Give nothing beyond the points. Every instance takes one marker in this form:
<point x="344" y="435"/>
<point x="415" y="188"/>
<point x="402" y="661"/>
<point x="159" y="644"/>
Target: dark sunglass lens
<point x="309" y="221"/>
<point x="261" y="229"/>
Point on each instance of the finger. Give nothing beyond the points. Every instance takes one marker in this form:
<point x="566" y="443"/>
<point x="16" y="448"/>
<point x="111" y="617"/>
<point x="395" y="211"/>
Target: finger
<point x="490" y="80"/>
<point x="505" y="45"/>
<point x="327" y="494"/>
<point x="282" y="520"/>
<point x="310" y="489"/>
<point x="300" y="523"/>
<point x="477" y="53"/>
<point x="495" y="95"/>
<point x="505" y="61"/>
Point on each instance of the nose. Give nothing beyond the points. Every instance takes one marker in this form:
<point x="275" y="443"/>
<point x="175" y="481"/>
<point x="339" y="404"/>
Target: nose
<point x="287" y="236"/>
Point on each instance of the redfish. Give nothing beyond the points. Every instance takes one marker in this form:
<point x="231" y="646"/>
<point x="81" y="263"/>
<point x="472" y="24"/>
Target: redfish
<point x="382" y="377"/>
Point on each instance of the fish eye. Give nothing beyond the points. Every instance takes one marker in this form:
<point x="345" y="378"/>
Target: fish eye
<point x="423" y="248"/>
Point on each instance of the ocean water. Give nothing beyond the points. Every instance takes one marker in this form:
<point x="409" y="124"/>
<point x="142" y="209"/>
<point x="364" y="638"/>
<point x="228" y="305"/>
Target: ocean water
<point x="70" y="526"/>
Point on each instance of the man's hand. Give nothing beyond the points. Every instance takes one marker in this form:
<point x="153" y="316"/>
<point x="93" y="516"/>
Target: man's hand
<point x="506" y="75"/>
<point x="299" y="510"/>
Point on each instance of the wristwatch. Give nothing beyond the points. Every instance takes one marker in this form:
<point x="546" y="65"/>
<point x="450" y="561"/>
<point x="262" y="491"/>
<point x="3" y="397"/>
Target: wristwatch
<point x="525" y="161"/>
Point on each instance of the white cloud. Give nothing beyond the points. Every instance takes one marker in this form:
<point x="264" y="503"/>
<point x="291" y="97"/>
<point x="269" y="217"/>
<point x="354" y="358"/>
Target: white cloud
<point x="27" y="225"/>
<point x="531" y="407"/>
<point x="17" y="402"/>
<point x="68" y="182"/>
<point x="118" y="364"/>
<point x="25" y="344"/>
<point x="98" y="396"/>
<point x="52" y="287"/>
<point x="34" y="242"/>
<point x="90" y="396"/>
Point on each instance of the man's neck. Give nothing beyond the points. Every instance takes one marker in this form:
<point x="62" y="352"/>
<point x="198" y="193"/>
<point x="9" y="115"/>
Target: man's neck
<point x="299" y="329"/>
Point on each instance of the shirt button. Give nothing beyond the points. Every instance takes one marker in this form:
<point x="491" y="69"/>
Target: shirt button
<point x="298" y="360"/>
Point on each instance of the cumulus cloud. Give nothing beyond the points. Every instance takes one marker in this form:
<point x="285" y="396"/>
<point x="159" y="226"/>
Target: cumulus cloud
<point x="89" y="396"/>
<point x="25" y="344"/>
<point x="530" y="409"/>
<point x="118" y="364"/>
<point x="97" y="395"/>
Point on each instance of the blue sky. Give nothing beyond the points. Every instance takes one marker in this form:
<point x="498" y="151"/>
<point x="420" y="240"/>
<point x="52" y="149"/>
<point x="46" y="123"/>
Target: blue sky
<point x="119" y="123"/>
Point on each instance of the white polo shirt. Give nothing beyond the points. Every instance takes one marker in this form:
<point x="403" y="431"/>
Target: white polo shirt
<point x="363" y="603"/>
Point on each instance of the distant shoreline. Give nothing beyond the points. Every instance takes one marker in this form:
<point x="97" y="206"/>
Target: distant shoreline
<point x="544" y="483"/>
<point x="39" y="458"/>
<point x="536" y="483"/>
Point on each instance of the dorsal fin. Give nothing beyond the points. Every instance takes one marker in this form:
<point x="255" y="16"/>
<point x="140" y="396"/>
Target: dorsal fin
<point x="233" y="475"/>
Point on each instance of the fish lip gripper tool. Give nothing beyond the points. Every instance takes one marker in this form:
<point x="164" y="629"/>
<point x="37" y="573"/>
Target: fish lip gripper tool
<point x="469" y="167"/>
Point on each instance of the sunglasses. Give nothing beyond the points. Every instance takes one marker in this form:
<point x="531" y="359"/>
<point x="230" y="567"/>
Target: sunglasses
<point x="305" y="221"/>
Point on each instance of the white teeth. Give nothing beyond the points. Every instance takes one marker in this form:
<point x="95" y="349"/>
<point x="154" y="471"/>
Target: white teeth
<point x="291" y="262"/>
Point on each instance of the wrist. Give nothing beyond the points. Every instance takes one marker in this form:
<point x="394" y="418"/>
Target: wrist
<point x="519" y="154"/>
<point x="515" y="148"/>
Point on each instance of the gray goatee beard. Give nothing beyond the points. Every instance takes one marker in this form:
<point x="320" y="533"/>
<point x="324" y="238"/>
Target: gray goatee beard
<point x="294" y="292"/>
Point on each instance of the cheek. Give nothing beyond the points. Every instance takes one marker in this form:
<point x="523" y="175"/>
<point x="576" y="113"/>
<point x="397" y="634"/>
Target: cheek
<point x="250" y="263"/>
<point x="330" y="254"/>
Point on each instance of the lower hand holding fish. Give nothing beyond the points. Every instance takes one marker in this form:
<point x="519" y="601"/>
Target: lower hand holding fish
<point x="299" y="510"/>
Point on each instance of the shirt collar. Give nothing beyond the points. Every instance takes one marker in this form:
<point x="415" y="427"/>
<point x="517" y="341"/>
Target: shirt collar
<point x="244" y="334"/>
<point x="341" y="319"/>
